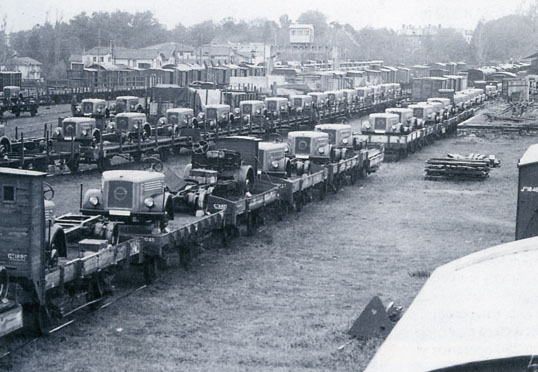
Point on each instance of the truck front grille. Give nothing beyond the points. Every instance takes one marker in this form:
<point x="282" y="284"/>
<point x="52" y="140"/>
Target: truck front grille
<point x="120" y="194"/>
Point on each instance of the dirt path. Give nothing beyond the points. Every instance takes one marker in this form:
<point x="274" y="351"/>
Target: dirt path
<point x="283" y="300"/>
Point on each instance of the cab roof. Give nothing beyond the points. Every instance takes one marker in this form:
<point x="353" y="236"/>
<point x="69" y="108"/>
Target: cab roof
<point x="384" y="115"/>
<point x="267" y="146"/>
<point x="180" y="110"/>
<point x="420" y="105"/>
<point x="130" y="115"/>
<point x="308" y="133"/>
<point x="300" y="96"/>
<point x="93" y="100"/>
<point x="317" y="93"/>
<point x="332" y="126"/>
<point x="78" y="119"/>
<point x="218" y="106"/>
<point x="132" y="175"/>
<point x="282" y="99"/>
<point x="126" y="97"/>
<point x="251" y="102"/>
<point x="480" y="307"/>
<point x="398" y="109"/>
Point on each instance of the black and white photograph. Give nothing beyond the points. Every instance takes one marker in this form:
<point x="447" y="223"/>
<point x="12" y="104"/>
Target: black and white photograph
<point x="268" y="186"/>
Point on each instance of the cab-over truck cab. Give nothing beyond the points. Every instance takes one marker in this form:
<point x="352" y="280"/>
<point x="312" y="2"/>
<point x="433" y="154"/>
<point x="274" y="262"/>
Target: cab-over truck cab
<point x="79" y="129"/>
<point x="319" y="99"/>
<point x="93" y="107"/>
<point x="383" y="123"/>
<point x="408" y="121"/>
<point x="447" y="107"/>
<point x="136" y="197"/>
<point x="126" y="104"/>
<point x="131" y="125"/>
<point x="251" y="111"/>
<point x="301" y="103"/>
<point x="277" y="107"/>
<point x="424" y="113"/>
<point x="217" y="114"/>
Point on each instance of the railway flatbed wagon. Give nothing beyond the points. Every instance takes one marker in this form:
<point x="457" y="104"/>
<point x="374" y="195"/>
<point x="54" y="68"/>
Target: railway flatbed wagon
<point x="296" y="189"/>
<point x="55" y="266"/>
<point x="246" y="208"/>
<point x="396" y="145"/>
<point x="182" y="233"/>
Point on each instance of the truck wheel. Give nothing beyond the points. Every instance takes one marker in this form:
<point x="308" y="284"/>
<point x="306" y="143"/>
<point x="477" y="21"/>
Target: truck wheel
<point x="33" y="112"/>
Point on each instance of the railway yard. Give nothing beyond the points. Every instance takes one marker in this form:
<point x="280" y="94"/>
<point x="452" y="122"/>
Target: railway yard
<point x="285" y="298"/>
<point x="189" y="224"/>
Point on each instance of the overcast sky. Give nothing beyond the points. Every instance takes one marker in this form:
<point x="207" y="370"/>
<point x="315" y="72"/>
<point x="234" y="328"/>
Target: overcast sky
<point x="24" y="14"/>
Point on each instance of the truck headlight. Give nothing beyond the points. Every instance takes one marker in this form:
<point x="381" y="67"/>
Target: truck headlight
<point x="58" y="131"/>
<point x="345" y="141"/>
<point x="84" y="132"/>
<point x="258" y="111"/>
<point x="275" y="164"/>
<point x="94" y="200"/>
<point x="393" y="128"/>
<point x="149" y="202"/>
<point x="135" y="126"/>
<point x="275" y="113"/>
<point x="321" y="150"/>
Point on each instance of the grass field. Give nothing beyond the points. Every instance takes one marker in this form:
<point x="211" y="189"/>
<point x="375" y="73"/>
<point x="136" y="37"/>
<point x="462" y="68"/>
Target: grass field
<point x="284" y="299"/>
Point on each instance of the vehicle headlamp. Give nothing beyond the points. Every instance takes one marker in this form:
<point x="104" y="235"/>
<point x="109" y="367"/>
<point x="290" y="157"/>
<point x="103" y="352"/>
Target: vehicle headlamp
<point x="149" y="202"/>
<point x="94" y="200"/>
<point x="321" y="150"/>
<point x="84" y="132"/>
<point x="345" y="141"/>
<point x="274" y="164"/>
<point x="135" y="126"/>
<point x="393" y="128"/>
<point x="58" y="131"/>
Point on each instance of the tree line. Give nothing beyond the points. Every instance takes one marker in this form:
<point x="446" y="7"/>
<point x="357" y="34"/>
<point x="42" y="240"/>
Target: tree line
<point x="52" y="43"/>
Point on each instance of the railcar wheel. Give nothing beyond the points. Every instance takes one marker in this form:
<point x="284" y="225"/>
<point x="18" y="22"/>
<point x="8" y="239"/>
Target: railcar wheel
<point x="322" y="191"/>
<point x="151" y="269"/>
<point x="48" y="191"/>
<point x="42" y="319"/>
<point x="73" y="164"/>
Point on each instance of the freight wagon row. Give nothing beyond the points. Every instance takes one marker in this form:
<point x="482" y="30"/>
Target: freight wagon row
<point x="91" y="138"/>
<point x="59" y="265"/>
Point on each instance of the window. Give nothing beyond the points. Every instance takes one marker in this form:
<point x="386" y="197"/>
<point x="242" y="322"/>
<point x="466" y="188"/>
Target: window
<point x="95" y="59"/>
<point x="102" y="59"/>
<point x="8" y="194"/>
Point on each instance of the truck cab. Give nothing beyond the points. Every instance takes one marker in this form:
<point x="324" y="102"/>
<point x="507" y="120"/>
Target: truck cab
<point x="230" y="166"/>
<point x="424" y="113"/>
<point x="308" y="145"/>
<point x="93" y="107"/>
<point x="301" y="103"/>
<point x="319" y="99"/>
<point x="383" y="123"/>
<point x="273" y="160"/>
<point x="218" y="114"/>
<point x="251" y="111"/>
<point x="446" y="105"/>
<point x="350" y="96"/>
<point x="340" y="139"/>
<point x="335" y="98"/>
<point x="407" y="119"/>
<point x="126" y="104"/>
<point x="365" y="93"/>
<point x="132" y="196"/>
<point x="177" y="119"/>
<point x="78" y="129"/>
<point x="277" y="107"/>
<point x="129" y="124"/>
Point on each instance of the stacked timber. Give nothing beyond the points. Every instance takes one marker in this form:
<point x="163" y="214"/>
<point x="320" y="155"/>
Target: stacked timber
<point x="457" y="169"/>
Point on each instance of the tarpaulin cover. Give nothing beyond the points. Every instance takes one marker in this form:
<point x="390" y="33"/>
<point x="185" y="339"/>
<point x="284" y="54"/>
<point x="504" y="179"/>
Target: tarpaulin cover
<point x="178" y="96"/>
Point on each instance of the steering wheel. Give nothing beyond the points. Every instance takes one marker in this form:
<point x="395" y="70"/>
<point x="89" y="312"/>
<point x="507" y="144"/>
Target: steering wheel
<point x="276" y="138"/>
<point x="48" y="191"/>
<point x="200" y="147"/>
<point x="152" y="164"/>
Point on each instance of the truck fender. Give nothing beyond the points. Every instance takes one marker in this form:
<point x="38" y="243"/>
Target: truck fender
<point x="57" y="242"/>
<point x="146" y="130"/>
<point x="5" y="146"/>
<point x="96" y="135"/>
<point x="86" y="200"/>
<point x="245" y="178"/>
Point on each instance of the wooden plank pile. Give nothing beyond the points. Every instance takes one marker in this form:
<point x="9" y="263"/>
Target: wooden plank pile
<point x="457" y="167"/>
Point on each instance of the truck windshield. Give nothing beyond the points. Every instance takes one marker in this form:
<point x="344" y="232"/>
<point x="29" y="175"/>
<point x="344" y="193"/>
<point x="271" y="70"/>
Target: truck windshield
<point x="418" y="112"/>
<point x="380" y="124"/>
